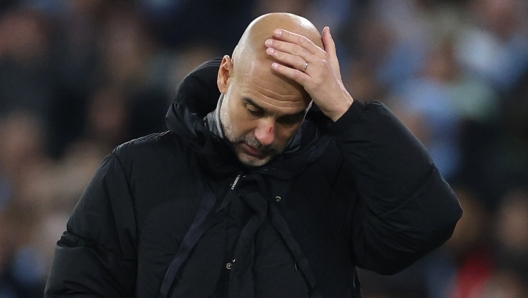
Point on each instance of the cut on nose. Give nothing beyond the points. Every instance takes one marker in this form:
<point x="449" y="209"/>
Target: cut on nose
<point x="265" y="134"/>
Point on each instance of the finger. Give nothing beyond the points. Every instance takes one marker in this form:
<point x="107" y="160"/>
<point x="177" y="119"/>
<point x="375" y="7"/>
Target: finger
<point x="291" y="48"/>
<point x="295" y="61"/>
<point x="330" y="48"/>
<point x="298" y="39"/>
<point x="328" y="42"/>
<point x="291" y="73"/>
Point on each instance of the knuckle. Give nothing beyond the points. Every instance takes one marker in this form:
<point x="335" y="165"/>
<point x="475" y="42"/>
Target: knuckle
<point x="300" y="61"/>
<point x="296" y="49"/>
<point x="316" y="88"/>
<point x="317" y="82"/>
<point x="287" y="57"/>
<point x="297" y="75"/>
<point x="309" y="85"/>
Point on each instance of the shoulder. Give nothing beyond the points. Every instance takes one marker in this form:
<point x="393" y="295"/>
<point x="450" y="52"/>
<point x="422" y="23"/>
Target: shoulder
<point x="153" y="150"/>
<point x="143" y="144"/>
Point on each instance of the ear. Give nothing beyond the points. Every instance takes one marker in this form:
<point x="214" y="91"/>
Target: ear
<point x="224" y="74"/>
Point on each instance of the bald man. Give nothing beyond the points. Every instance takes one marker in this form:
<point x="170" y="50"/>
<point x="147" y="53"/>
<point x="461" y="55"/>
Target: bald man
<point x="272" y="181"/>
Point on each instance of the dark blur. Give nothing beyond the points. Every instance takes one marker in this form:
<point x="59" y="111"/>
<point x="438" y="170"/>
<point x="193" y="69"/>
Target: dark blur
<point x="78" y="77"/>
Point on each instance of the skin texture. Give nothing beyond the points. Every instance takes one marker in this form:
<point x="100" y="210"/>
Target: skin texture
<point x="267" y="90"/>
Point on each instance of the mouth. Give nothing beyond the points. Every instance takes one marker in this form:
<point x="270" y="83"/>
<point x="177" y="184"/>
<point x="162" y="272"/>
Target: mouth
<point x="253" y="151"/>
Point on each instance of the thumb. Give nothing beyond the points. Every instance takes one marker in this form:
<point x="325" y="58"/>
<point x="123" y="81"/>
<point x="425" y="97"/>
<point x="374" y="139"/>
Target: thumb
<point x="328" y="41"/>
<point x="330" y="48"/>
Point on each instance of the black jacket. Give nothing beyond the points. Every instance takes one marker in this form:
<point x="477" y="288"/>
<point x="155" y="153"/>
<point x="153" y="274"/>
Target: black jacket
<point x="176" y="213"/>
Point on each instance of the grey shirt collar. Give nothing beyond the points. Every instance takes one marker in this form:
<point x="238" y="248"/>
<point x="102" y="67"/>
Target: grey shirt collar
<point x="212" y="120"/>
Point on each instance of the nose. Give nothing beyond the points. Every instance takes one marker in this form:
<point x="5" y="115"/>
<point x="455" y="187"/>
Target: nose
<point x="265" y="132"/>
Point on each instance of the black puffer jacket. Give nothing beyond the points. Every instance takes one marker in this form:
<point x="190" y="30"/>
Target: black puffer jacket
<point x="175" y="214"/>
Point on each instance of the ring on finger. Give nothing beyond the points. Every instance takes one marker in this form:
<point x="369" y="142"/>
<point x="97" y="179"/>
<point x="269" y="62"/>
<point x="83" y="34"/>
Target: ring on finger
<point x="305" y="66"/>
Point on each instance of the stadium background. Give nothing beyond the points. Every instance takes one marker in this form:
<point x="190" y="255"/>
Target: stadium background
<point x="78" y="77"/>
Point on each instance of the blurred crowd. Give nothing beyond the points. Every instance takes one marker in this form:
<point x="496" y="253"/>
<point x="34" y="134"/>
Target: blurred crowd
<point x="78" y="77"/>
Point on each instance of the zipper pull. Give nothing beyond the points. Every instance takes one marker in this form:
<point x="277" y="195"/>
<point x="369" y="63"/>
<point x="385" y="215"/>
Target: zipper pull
<point x="233" y="185"/>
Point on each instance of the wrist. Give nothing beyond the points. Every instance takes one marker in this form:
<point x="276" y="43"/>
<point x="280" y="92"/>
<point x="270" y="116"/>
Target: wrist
<point x="339" y="110"/>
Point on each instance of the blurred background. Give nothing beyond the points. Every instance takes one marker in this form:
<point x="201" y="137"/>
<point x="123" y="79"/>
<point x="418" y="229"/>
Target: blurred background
<point x="78" y="77"/>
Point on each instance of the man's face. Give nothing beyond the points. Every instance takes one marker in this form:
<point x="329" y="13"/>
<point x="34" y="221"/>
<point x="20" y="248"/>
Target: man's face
<point x="260" y="114"/>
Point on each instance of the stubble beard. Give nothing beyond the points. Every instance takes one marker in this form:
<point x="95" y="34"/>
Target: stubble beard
<point x="249" y="139"/>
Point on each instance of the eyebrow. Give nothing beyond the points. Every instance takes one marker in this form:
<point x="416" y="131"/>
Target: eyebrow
<point x="251" y="102"/>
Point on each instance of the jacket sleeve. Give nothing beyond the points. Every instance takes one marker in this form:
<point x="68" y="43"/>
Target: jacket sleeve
<point x="405" y="208"/>
<point x="95" y="257"/>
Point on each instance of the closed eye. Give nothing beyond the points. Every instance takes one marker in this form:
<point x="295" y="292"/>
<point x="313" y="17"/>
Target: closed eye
<point x="291" y="119"/>
<point x="254" y="110"/>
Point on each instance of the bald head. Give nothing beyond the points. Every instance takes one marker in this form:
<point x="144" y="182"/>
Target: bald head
<point x="251" y="48"/>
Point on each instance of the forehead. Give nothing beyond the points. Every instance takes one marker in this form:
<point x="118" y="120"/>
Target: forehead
<point x="269" y="90"/>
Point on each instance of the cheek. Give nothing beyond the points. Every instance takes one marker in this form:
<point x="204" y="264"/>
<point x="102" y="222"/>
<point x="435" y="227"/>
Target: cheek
<point x="284" y="134"/>
<point x="241" y="123"/>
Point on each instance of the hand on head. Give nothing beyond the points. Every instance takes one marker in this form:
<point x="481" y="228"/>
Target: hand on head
<point x="315" y="68"/>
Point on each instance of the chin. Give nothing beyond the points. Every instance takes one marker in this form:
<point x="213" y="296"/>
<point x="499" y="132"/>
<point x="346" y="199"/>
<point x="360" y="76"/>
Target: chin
<point x="253" y="162"/>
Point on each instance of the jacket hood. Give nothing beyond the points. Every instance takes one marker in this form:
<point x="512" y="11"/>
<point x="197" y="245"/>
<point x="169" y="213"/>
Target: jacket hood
<point x="197" y="95"/>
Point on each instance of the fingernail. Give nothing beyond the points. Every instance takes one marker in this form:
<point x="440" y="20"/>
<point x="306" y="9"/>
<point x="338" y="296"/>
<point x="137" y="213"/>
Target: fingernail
<point x="275" y="65"/>
<point x="268" y="42"/>
<point x="277" y="32"/>
<point x="270" y="51"/>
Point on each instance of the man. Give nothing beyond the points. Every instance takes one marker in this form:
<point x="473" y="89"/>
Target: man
<point x="254" y="192"/>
